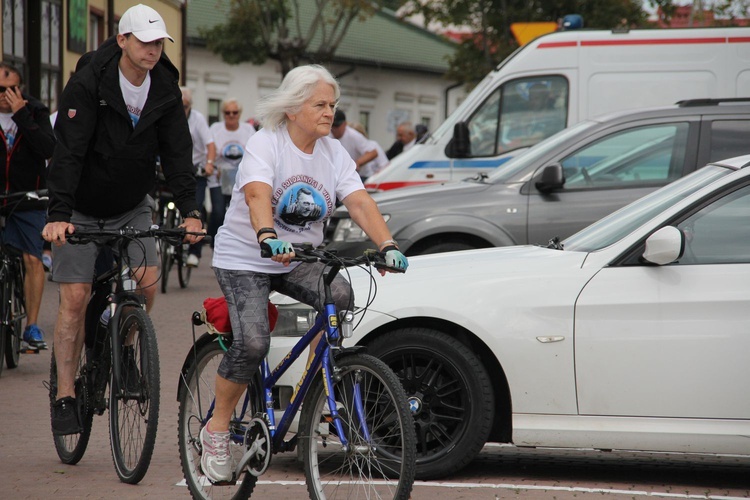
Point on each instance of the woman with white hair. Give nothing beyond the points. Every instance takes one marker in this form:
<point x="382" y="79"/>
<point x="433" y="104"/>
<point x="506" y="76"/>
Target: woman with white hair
<point x="287" y="185"/>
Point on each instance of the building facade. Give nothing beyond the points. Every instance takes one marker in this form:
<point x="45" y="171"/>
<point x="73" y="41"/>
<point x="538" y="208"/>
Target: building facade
<point x="45" y="38"/>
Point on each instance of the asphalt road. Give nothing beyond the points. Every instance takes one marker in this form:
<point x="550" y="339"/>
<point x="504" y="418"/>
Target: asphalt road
<point x="29" y="467"/>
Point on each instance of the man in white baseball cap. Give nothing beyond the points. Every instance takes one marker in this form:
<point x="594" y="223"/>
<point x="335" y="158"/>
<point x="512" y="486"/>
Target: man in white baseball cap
<point x="145" y="23"/>
<point x="117" y="112"/>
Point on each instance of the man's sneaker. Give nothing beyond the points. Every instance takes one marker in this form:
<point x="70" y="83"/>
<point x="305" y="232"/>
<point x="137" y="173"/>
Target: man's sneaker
<point x="216" y="461"/>
<point x="65" y="417"/>
<point x="34" y="336"/>
<point x="193" y="260"/>
<point x="47" y="262"/>
<point x="130" y="373"/>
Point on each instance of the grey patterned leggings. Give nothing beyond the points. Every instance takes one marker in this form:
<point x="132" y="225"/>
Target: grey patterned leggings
<point x="247" y="299"/>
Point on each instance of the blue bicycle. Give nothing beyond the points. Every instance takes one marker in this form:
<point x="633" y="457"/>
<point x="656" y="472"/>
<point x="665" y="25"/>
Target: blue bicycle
<point x="355" y="432"/>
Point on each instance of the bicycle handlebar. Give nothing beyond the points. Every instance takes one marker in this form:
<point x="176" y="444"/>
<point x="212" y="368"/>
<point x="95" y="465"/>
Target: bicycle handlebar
<point x="305" y="252"/>
<point x="171" y="235"/>
<point x="38" y="195"/>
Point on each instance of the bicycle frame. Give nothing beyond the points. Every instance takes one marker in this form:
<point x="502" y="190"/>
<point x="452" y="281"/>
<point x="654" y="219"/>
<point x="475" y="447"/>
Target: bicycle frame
<point x="322" y="361"/>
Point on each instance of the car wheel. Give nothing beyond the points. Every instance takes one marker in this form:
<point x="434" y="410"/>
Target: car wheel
<point x="449" y="394"/>
<point x="444" y="246"/>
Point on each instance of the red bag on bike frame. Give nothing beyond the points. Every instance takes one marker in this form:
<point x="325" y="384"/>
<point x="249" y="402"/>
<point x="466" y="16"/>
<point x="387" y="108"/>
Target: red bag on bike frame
<point x="216" y="315"/>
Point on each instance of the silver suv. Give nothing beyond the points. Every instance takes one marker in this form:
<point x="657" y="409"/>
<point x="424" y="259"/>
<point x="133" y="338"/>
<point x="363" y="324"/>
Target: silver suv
<point x="562" y="184"/>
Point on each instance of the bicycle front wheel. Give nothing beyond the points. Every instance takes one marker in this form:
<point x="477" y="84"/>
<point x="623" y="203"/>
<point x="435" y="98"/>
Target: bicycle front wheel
<point x="14" y="332"/>
<point x="70" y="448"/>
<point x="382" y="466"/>
<point x="167" y="251"/>
<point x="134" y="399"/>
<point x="197" y="392"/>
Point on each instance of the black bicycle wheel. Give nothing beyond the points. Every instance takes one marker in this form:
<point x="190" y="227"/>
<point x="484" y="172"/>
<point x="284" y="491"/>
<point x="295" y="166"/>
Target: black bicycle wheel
<point x="15" y="331"/>
<point x="167" y="251"/>
<point x="382" y="467"/>
<point x="71" y="448"/>
<point x="134" y="400"/>
<point x="183" y="270"/>
<point x="196" y="395"/>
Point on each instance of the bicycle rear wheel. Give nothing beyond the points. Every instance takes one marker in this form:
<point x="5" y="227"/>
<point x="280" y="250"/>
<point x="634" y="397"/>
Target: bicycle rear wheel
<point x="196" y="396"/>
<point x="381" y="467"/>
<point x="183" y="270"/>
<point x="134" y="400"/>
<point x="71" y="448"/>
<point x="167" y="251"/>
<point x="15" y="330"/>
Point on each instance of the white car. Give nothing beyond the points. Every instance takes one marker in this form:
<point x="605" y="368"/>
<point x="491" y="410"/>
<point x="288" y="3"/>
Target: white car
<point x="633" y="333"/>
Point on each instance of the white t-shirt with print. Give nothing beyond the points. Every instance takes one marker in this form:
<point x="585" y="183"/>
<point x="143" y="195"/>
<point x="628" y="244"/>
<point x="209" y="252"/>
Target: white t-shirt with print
<point x="355" y="143"/>
<point x="230" y="147"/>
<point x="201" y="138"/>
<point x="305" y="189"/>
<point x="10" y="129"/>
<point x="134" y="97"/>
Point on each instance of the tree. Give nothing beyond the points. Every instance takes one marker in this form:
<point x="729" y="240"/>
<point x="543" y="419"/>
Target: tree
<point x="490" y="21"/>
<point x="285" y="30"/>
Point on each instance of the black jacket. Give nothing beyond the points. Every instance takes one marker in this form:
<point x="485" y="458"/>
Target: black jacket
<point x="24" y="167"/>
<point x="102" y="166"/>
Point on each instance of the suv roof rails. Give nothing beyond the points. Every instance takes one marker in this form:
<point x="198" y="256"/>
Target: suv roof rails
<point x="687" y="103"/>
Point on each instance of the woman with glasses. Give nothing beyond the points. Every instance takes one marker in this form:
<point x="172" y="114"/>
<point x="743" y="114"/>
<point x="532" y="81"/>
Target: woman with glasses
<point x="230" y="137"/>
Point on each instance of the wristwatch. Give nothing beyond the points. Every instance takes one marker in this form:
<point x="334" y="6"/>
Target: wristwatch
<point x="194" y="214"/>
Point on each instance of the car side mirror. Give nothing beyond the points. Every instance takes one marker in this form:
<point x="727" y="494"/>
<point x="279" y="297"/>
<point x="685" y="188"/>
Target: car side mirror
<point x="664" y="246"/>
<point x="460" y="144"/>
<point x="552" y="178"/>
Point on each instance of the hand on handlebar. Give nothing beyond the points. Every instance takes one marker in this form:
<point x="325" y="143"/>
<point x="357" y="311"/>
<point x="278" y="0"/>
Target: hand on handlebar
<point x="395" y="260"/>
<point x="192" y="225"/>
<point x="55" y="232"/>
<point x="278" y="250"/>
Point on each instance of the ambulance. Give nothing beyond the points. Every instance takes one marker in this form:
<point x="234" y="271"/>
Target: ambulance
<point x="565" y="77"/>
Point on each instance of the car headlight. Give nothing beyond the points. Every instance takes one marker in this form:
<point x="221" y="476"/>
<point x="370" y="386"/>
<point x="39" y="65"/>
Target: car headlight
<point x="348" y="230"/>
<point x="294" y="320"/>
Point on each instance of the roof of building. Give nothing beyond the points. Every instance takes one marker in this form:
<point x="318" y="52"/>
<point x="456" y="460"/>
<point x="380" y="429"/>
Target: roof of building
<point x="381" y="40"/>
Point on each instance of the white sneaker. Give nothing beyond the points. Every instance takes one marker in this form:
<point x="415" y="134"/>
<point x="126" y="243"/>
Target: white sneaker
<point x="193" y="260"/>
<point x="216" y="461"/>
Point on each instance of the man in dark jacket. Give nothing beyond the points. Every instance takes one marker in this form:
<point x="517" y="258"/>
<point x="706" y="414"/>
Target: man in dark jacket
<point x="116" y="114"/>
<point x="27" y="142"/>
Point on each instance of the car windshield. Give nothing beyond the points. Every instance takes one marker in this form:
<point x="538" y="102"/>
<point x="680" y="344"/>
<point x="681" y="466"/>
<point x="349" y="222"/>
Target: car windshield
<point x="616" y="226"/>
<point x="509" y="169"/>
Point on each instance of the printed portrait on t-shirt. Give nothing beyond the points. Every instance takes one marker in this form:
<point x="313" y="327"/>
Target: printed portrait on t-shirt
<point x="301" y="206"/>
<point x="232" y="152"/>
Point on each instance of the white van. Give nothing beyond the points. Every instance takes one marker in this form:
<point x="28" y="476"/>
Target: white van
<point x="564" y="77"/>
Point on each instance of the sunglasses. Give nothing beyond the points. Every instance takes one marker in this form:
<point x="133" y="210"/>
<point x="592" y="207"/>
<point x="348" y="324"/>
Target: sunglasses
<point x="231" y="113"/>
<point x="3" y="89"/>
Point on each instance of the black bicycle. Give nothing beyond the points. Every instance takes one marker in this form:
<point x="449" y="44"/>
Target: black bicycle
<point x="12" y="298"/>
<point x="356" y="434"/>
<point x="119" y="365"/>
<point x="172" y="253"/>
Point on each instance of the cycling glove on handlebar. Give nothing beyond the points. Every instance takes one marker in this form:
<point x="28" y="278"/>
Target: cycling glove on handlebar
<point x="271" y="246"/>
<point x="394" y="258"/>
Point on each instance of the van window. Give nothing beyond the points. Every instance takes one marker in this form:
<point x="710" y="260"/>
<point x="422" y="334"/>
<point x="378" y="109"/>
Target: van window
<point x="729" y="138"/>
<point x="519" y="114"/>
<point x="642" y="156"/>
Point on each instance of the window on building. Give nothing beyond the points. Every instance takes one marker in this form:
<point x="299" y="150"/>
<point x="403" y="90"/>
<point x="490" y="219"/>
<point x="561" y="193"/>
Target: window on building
<point x="96" y="28"/>
<point x="214" y="111"/>
<point x="14" y="20"/>
<point x="51" y="55"/>
<point x="364" y="119"/>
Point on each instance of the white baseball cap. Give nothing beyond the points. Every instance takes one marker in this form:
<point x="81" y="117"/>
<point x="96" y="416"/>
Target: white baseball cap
<point x="145" y="23"/>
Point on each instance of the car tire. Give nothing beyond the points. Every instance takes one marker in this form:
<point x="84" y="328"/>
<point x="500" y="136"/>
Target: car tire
<point x="444" y="246"/>
<point x="449" y="392"/>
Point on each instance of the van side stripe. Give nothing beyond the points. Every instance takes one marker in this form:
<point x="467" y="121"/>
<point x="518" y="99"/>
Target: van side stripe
<point x="556" y="45"/>
<point x="739" y="39"/>
<point x="653" y="41"/>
